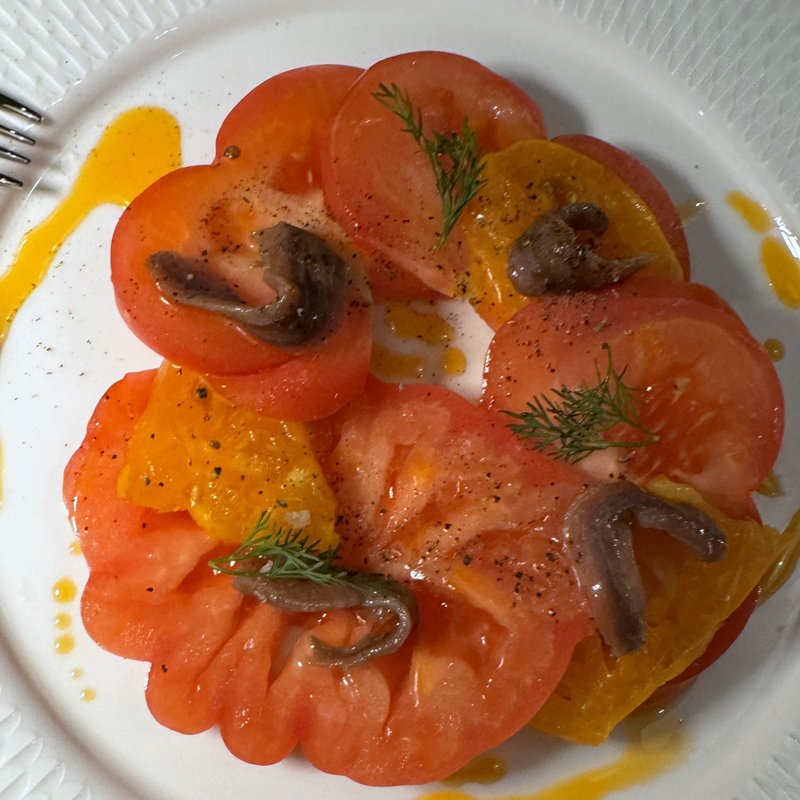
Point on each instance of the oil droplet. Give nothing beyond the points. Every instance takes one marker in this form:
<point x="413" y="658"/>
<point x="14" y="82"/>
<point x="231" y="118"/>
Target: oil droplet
<point x="65" y="643"/>
<point x="783" y="270"/>
<point x="454" y="362"/>
<point x="690" y="208"/>
<point x="62" y="621"/>
<point x="410" y="323"/>
<point x="88" y="694"/>
<point x="389" y="364"/>
<point x="771" y="486"/>
<point x="484" y="769"/>
<point x="786" y="565"/>
<point x="775" y="349"/>
<point x="76" y="673"/>
<point x="75" y="548"/>
<point x="139" y="146"/>
<point x="64" y="590"/>
<point x="648" y="754"/>
<point x="754" y="214"/>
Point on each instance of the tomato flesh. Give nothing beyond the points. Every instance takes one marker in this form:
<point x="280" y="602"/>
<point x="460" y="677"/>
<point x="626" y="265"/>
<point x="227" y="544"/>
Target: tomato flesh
<point x="532" y="178"/>
<point x="379" y="184"/>
<point x="433" y="491"/>
<point x="687" y="603"/>
<point x="685" y="356"/>
<point x="643" y="182"/>
<point x="266" y="170"/>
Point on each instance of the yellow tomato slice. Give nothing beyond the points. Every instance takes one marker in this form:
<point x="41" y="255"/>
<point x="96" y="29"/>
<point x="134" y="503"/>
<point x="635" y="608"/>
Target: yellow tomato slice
<point x="531" y="178"/>
<point x="687" y="601"/>
<point x="192" y="450"/>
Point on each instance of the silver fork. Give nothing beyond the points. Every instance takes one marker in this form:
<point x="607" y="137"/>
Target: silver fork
<point x="15" y="107"/>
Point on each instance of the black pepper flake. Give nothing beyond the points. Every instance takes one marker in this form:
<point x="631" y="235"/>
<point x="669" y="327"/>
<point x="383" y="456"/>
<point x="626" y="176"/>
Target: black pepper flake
<point x="149" y="588"/>
<point x="467" y="559"/>
<point x="213" y="443"/>
<point x="201" y="392"/>
<point x="217" y="470"/>
<point x="164" y="668"/>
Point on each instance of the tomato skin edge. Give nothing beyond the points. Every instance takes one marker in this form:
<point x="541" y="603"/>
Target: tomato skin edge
<point x="640" y="178"/>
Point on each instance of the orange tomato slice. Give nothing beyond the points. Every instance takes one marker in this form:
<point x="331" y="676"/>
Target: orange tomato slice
<point x="529" y="179"/>
<point x="192" y="450"/>
<point x="687" y="601"/>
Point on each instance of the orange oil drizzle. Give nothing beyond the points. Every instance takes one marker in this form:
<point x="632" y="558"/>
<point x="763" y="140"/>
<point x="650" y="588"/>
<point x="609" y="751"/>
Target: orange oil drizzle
<point x="485" y="769"/>
<point x="427" y="327"/>
<point x="646" y="756"/>
<point x="780" y="255"/>
<point x="64" y="590"/>
<point x="775" y="348"/>
<point x="389" y="364"/>
<point x="62" y="621"/>
<point x="786" y="565"/>
<point x="770" y="486"/>
<point x="755" y="215"/>
<point x="137" y="147"/>
<point x="64" y="644"/>
<point x="783" y="270"/>
<point x="88" y="694"/>
<point x="690" y="208"/>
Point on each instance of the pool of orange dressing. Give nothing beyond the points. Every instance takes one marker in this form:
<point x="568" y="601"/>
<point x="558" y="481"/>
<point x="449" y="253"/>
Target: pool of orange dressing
<point x="136" y="148"/>
<point x="652" y="750"/>
<point x="431" y="330"/>
<point x="780" y="262"/>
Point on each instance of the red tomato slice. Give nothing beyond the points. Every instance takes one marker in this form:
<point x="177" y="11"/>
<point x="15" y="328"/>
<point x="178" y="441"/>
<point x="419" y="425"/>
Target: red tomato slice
<point x="381" y="187"/>
<point x="433" y="491"/>
<point x="643" y="182"/>
<point x="710" y="391"/>
<point x="137" y="557"/>
<point x="266" y="170"/>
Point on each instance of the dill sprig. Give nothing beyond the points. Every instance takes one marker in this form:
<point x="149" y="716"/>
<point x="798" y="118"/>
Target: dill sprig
<point x="571" y="424"/>
<point x="454" y="157"/>
<point x="270" y="552"/>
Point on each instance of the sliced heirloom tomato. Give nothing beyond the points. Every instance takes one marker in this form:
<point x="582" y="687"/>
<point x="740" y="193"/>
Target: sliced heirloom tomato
<point x="193" y="451"/>
<point x="380" y="185"/>
<point x="532" y="178"/>
<point x="266" y="170"/>
<point x="643" y="182"/>
<point x="688" y="603"/>
<point x="138" y="558"/>
<point x="434" y="492"/>
<point x="706" y="388"/>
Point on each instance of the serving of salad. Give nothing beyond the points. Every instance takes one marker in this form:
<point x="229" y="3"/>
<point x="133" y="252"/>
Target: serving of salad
<point x="386" y="575"/>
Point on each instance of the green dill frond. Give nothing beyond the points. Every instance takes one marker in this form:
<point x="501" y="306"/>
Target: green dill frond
<point x="270" y="552"/>
<point x="570" y="423"/>
<point x="454" y="157"/>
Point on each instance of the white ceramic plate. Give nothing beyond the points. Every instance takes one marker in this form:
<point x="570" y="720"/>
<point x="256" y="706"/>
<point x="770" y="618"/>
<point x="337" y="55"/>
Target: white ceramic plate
<point x="706" y="93"/>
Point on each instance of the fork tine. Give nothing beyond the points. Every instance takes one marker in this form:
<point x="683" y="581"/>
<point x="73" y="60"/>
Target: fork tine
<point x="10" y="155"/>
<point x="11" y="182"/>
<point x="16" y="135"/>
<point x="10" y="104"/>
